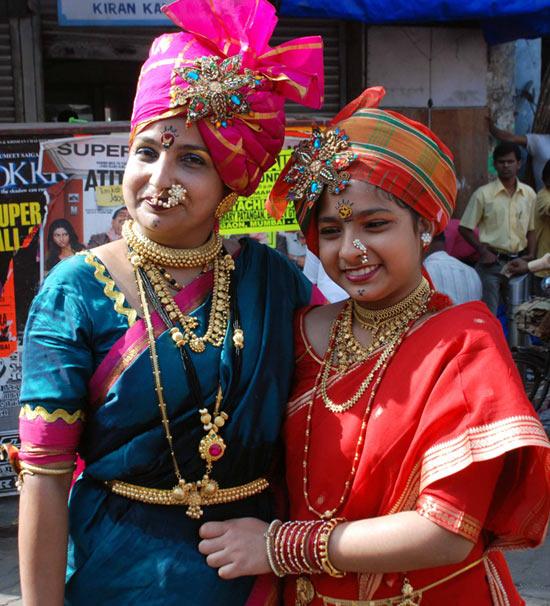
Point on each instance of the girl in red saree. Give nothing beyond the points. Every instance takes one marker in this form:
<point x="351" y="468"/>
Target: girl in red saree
<point x="413" y="456"/>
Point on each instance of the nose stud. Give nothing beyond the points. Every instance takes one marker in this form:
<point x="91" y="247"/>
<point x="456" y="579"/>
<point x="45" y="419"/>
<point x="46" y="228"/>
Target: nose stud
<point x="362" y="248"/>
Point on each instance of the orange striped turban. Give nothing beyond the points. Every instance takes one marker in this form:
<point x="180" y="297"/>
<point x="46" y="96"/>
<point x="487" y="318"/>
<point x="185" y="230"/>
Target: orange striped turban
<point x="381" y="147"/>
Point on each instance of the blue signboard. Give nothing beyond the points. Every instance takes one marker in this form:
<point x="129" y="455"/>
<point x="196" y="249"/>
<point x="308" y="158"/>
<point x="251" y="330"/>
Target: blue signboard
<point x="111" y="13"/>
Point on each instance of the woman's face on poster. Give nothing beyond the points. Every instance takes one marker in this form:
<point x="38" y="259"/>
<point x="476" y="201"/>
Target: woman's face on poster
<point x="61" y="237"/>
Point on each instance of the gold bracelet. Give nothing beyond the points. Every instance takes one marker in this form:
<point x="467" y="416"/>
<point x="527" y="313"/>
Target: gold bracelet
<point x="32" y="470"/>
<point x="45" y="471"/>
<point x="324" y="538"/>
<point x="269" y="535"/>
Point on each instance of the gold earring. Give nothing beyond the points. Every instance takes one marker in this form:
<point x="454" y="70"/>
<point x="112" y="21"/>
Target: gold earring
<point x="226" y="204"/>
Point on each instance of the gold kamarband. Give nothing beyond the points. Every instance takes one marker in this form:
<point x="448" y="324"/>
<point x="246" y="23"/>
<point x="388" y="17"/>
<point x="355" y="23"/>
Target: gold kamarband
<point x="409" y="595"/>
<point x="191" y="496"/>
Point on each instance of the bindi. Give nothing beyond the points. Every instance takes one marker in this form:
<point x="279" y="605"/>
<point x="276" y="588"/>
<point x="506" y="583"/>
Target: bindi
<point x="168" y="136"/>
<point x="344" y="208"/>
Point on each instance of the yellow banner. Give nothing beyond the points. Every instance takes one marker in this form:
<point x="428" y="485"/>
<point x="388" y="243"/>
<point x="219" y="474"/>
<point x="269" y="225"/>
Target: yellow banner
<point x="249" y="214"/>
<point x="109" y="195"/>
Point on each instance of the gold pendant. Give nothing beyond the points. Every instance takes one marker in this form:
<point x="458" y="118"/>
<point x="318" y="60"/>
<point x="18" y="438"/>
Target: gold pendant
<point x="195" y="501"/>
<point x="407" y="595"/>
<point x="305" y="592"/>
<point x="211" y="447"/>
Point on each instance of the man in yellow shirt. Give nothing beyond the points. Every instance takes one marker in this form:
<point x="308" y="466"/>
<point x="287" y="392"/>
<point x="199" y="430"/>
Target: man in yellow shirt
<point x="504" y="212"/>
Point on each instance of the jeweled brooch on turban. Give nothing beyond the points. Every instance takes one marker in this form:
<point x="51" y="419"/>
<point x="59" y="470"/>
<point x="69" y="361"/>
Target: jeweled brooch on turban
<point x="217" y="88"/>
<point x="318" y="162"/>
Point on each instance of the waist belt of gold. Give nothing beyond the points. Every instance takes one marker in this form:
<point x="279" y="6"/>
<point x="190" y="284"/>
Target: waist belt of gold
<point x="192" y="494"/>
<point x="409" y="596"/>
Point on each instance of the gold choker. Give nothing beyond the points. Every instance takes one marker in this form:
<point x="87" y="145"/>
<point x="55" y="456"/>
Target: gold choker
<point x="182" y="258"/>
<point x="377" y="320"/>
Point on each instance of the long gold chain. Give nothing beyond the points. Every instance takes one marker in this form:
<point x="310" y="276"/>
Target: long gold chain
<point x="211" y="447"/>
<point x="321" y="385"/>
<point x="164" y="256"/>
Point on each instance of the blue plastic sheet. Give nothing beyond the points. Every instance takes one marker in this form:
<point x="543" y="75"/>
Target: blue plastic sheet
<point x="501" y="21"/>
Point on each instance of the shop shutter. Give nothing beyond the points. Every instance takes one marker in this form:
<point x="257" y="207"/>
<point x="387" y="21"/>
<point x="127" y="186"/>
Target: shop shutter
<point x="87" y="43"/>
<point x="333" y="34"/>
<point x="7" y="91"/>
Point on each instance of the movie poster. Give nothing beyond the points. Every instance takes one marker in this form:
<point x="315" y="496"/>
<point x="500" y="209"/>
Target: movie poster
<point x="22" y="208"/>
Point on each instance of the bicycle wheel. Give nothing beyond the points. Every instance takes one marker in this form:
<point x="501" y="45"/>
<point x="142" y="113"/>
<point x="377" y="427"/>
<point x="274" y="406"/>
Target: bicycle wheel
<point x="531" y="370"/>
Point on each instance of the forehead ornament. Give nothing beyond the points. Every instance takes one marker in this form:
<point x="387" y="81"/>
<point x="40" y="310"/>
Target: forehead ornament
<point x="344" y="208"/>
<point x="318" y="162"/>
<point x="168" y="136"/>
<point x="217" y="89"/>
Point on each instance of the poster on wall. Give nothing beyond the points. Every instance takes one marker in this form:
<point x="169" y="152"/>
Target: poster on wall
<point x="83" y="210"/>
<point x="22" y="207"/>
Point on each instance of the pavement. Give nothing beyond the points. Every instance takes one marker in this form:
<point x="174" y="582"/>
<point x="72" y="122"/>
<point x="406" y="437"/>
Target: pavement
<point x="530" y="569"/>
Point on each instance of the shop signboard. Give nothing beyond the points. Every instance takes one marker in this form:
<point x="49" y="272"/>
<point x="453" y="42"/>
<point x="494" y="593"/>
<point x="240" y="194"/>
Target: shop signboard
<point x="105" y="13"/>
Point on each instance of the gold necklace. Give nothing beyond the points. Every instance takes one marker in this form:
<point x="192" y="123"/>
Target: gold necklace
<point x="385" y="319"/>
<point x="219" y="309"/>
<point x="381" y="323"/>
<point x="157" y="254"/>
<point x="347" y="351"/>
<point x="211" y="447"/>
<point x="380" y="368"/>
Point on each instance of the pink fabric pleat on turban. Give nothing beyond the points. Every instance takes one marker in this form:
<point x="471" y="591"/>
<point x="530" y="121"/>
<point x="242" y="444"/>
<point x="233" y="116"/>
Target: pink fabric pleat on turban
<point x="244" y="149"/>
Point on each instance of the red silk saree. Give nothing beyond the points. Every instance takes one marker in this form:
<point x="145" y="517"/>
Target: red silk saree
<point x="450" y="435"/>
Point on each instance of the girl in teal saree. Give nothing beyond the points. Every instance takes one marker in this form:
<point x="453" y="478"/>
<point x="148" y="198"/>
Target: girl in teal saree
<point x="165" y="359"/>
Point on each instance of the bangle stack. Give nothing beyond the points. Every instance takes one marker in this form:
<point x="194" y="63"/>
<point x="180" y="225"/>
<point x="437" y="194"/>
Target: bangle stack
<point x="301" y="547"/>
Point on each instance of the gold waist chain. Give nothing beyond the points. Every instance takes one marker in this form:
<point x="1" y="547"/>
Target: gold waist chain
<point x="191" y="494"/>
<point x="409" y="596"/>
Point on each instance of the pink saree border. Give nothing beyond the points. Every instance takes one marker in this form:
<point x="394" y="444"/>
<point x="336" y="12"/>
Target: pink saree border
<point x="134" y="341"/>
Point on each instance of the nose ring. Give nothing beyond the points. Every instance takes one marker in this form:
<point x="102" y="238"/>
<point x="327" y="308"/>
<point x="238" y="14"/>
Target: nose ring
<point x="362" y="248"/>
<point x="176" y="194"/>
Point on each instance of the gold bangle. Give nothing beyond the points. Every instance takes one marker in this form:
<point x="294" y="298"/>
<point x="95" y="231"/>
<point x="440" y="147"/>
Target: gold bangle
<point x="32" y="470"/>
<point x="45" y="471"/>
<point x="269" y="536"/>
<point x="324" y="538"/>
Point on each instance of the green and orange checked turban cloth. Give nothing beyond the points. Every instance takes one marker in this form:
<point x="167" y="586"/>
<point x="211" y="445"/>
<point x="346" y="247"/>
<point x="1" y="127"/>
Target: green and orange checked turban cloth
<point x="381" y="147"/>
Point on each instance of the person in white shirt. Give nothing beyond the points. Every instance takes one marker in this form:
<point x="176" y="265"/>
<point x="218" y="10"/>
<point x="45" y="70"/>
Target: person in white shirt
<point x="314" y="272"/>
<point x="450" y="276"/>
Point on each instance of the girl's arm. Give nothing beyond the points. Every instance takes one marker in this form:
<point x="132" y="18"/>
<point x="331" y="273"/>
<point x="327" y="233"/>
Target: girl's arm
<point x="399" y="542"/>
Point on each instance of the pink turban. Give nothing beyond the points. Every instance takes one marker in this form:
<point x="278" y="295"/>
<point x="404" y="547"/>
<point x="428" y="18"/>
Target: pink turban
<point x="237" y="95"/>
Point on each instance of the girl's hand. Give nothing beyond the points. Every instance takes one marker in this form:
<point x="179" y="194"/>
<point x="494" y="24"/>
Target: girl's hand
<point x="235" y="547"/>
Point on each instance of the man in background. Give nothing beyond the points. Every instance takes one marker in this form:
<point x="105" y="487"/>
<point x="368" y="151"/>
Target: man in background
<point x="504" y="212"/>
<point x="538" y="147"/>
<point x="118" y="217"/>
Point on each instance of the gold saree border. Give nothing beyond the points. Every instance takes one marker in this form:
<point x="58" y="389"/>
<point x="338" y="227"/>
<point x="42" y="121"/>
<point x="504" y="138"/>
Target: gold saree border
<point x="480" y="443"/>
<point x="125" y="361"/>
<point x="32" y="413"/>
<point x="449" y="517"/>
<point x="109" y="289"/>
